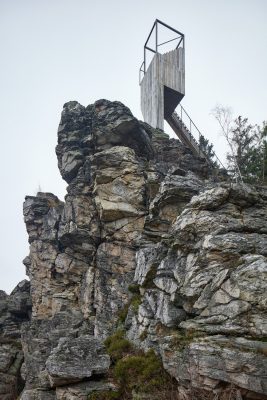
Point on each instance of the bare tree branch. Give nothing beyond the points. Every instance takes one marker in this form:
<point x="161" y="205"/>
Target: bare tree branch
<point x="225" y="119"/>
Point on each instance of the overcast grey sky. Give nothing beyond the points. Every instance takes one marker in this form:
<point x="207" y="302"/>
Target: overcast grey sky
<point x="53" y="51"/>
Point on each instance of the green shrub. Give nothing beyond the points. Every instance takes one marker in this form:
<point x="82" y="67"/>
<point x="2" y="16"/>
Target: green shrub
<point x="122" y="314"/>
<point x="134" y="288"/>
<point x="142" y="373"/>
<point x="136" y="372"/>
<point x="117" y="346"/>
<point x="136" y="300"/>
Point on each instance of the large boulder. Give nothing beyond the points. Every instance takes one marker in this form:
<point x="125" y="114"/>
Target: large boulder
<point x="76" y="359"/>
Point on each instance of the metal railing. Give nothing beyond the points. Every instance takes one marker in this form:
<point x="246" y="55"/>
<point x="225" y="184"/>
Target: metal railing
<point x="155" y="29"/>
<point x="188" y="128"/>
<point x="186" y="132"/>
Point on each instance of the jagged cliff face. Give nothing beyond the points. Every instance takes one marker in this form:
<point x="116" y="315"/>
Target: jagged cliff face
<point x="146" y="231"/>
<point x="14" y="310"/>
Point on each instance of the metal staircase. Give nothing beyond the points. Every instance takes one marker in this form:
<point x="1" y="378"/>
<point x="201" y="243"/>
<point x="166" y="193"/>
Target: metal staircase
<point x="183" y="126"/>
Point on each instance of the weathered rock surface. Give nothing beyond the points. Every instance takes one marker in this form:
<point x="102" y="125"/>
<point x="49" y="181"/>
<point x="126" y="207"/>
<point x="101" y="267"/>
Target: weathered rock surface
<point x="40" y="337"/>
<point x="210" y="360"/>
<point x="75" y="359"/>
<point x="81" y="391"/>
<point x="14" y="310"/>
<point x="215" y="270"/>
<point x="150" y="232"/>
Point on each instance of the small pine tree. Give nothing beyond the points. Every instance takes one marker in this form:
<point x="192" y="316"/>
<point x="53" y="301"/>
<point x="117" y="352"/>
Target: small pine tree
<point x="250" y="150"/>
<point x="207" y="148"/>
<point x="263" y="151"/>
<point x="243" y="139"/>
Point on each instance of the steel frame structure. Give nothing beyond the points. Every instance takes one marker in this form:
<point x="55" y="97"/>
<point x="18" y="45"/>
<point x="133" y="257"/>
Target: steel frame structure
<point x="157" y="22"/>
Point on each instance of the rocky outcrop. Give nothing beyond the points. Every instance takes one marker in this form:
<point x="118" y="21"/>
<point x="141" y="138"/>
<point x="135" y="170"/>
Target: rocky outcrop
<point x="14" y="310"/>
<point x="150" y="240"/>
<point x="215" y="272"/>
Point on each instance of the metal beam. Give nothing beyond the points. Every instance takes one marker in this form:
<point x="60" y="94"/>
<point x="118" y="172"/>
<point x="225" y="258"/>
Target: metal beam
<point x="169" y="27"/>
<point x="168" y="41"/>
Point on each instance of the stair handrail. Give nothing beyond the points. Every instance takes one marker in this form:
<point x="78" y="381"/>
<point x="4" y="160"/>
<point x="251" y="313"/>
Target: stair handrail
<point x="191" y="122"/>
<point x="185" y="127"/>
<point x="189" y="135"/>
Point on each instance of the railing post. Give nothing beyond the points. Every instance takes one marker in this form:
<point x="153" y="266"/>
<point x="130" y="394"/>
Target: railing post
<point x="144" y="59"/>
<point x="189" y="137"/>
<point x="156" y="36"/>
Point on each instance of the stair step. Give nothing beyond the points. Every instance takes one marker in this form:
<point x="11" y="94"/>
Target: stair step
<point x="185" y="134"/>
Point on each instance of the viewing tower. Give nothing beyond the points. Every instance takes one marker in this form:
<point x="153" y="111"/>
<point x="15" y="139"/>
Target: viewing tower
<point x="163" y="80"/>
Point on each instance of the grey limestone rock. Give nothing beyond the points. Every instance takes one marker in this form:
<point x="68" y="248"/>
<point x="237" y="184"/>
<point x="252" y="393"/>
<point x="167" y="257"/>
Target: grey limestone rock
<point x="14" y="310"/>
<point x="37" y="394"/>
<point x="41" y="336"/>
<point x="235" y="361"/>
<point x="81" y="391"/>
<point x="75" y="359"/>
<point x="149" y="239"/>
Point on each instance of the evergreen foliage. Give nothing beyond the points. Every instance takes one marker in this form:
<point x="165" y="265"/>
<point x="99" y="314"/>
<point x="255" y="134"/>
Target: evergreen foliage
<point x="247" y="159"/>
<point x="249" y="150"/>
<point x="207" y="148"/>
